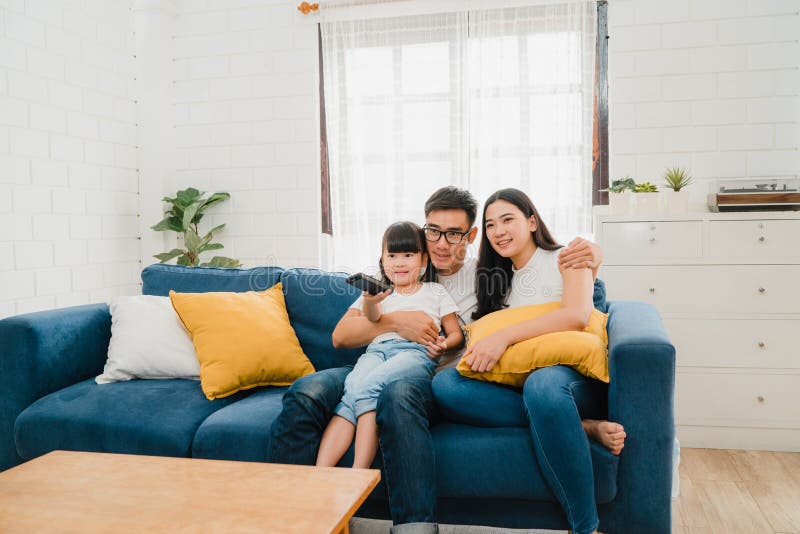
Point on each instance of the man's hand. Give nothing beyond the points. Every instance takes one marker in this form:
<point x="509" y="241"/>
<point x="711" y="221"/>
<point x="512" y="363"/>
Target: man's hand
<point x="579" y="254"/>
<point x="484" y="354"/>
<point x="416" y="326"/>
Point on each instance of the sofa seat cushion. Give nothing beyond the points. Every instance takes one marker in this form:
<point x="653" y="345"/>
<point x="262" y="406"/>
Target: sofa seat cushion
<point x="500" y="463"/>
<point x="240" y="431"/>
<point x="154" y="417"/>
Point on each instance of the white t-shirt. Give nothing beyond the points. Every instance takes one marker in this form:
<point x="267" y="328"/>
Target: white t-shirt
<point x="461" y="287"/>
<point x="538" y="282"/>
<point x="431" y="298"/>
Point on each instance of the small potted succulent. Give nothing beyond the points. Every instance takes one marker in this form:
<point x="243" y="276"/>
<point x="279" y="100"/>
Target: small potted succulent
<point x="646" y="198"/>
<point x="676" y="199"/>
<point x="620" y="196"/>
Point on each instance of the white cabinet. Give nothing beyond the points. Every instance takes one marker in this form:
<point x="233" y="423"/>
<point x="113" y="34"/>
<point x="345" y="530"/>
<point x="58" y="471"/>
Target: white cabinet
<point x="727" y="286"/>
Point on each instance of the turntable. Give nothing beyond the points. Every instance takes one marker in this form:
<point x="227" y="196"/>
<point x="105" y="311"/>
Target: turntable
<point x="761" y="195"/>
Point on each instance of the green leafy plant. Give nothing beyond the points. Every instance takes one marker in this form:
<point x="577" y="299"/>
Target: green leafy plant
<point x="185" y="212"/>
<point x="621" y="184"/>
<point x="645" y="187"/>
<point x="676" y="178"/>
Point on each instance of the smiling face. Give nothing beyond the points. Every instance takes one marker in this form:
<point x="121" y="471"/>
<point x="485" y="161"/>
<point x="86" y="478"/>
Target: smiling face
<point x="446" y="257"/>
<point x="403" y="268"/>
<point x="509" y="231"/>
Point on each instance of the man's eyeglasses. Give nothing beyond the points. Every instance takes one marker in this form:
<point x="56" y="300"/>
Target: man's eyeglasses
<point x="451" y="236"/>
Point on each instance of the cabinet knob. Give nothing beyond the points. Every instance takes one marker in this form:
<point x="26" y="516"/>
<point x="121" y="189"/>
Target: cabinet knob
<point x="761" y="225"/>
<point x="760" y="398"/>
<point x="652" y="240"/>
<point x="652" y="226"/>
<point x="762" y="289"/>
<point x="762" y="238"/>
<point x="652" y="290"/>
<point x="761" y="344"/>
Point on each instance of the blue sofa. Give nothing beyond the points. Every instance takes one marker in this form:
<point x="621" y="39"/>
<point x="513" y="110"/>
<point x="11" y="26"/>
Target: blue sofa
<point x="487" y="476"/>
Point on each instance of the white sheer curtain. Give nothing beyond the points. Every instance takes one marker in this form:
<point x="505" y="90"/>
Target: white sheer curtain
<point x="480" y="99"/>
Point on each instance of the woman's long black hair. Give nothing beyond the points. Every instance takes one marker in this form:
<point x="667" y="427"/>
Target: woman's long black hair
<point x="493" y="275"/>
<point x="405" y="236"/>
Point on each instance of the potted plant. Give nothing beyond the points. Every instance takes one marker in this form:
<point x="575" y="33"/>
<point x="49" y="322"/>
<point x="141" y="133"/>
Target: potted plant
<point x="620" y="196"/>
<point x="676" y="199"/>
<point x="185" y="211"/>
<point x="646" y="198"/>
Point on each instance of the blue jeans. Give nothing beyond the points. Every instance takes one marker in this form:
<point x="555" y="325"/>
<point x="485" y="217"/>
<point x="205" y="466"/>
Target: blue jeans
<point x="307" y="408"/>
<point x="405" y="411"/>
<point x="382" y="363"/>
<point x="552" y="403"/>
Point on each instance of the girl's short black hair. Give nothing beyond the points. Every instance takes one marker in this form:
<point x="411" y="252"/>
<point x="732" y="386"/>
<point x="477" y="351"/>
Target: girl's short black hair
<point x="405" y="236"/>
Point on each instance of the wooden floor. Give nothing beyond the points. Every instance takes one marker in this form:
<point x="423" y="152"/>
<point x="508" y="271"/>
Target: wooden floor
<point x="732" y="491"/>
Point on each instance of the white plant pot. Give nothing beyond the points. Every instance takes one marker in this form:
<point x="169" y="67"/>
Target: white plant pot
<point x="620" y="203"/>
<point x="676" y="202"/>
<point x="647" y="203"/>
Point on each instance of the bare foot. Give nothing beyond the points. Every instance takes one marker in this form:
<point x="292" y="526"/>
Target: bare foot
<point x="610" y="435"/>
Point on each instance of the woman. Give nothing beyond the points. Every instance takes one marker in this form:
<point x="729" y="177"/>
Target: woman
<point x="518" y="266"/>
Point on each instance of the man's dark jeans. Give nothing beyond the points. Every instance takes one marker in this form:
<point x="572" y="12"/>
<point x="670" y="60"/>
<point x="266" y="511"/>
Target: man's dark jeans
<point x="405" y="410"/>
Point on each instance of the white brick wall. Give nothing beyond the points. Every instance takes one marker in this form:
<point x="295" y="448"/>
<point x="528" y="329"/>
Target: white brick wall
<point x="247" y="122"/>
<point x="68" y="183"/>
<point x="709" y="84"/>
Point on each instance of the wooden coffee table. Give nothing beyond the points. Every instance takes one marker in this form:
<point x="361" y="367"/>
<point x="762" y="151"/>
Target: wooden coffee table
<point x="92" y="492"/>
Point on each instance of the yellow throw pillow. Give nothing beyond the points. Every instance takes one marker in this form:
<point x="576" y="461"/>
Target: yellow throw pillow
<point x="584" y="351"/>
<point x="243" y="340"/>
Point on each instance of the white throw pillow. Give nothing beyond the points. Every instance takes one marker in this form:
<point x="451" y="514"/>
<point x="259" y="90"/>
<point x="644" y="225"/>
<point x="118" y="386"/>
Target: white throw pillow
<point x="148" y="341"/>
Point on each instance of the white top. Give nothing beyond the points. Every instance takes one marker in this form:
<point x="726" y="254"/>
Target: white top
<point x="461" y="287"/>
<point x="538" y="282"/>
<point x="431" y="298"/>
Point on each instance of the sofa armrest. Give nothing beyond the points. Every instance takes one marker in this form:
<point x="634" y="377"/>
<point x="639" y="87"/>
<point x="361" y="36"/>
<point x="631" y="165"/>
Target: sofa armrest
<point x="43" y="352"/>
<point x="640" y="397"/>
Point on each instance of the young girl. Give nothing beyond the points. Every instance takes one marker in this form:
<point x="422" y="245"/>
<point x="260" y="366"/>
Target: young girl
<point x="389" y="357"/>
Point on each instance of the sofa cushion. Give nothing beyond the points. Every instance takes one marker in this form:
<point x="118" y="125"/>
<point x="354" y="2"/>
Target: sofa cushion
<point x="159" y="278"/>
<point x="316" y="300"/>
<point x="584" y="351"/>
<point x="155" y="417"/>
<point x="500" y="463"/>
<point x="599" y="296"/>
<point x="243" y="340"/>
<point x="240" y="431"/>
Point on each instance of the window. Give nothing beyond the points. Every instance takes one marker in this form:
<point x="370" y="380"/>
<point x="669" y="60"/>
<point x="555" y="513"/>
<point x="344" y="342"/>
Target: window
<point x="480" y="99"/>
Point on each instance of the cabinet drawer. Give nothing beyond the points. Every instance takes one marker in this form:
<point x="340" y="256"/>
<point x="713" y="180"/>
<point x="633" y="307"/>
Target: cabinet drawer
<point x="707" y="289"/>
<point x="736" y="399"/>
<point x="754" y="343"/>
<point x="755" y="240"/>
<point x="646" y="240"/>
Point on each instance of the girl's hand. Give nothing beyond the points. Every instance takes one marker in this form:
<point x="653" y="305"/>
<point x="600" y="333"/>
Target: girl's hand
<point x="375" y="299"/>
<point x="436" y="348"/>
<point x="484" y="354"/>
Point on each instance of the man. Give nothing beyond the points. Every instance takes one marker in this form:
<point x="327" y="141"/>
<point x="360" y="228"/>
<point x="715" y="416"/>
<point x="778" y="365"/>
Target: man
<point x="405" y="407"/>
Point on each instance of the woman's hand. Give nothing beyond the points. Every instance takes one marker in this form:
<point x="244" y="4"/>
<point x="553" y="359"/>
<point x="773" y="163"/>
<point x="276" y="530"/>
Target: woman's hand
<point x="484" y="354"/>
<point x="436" y="348"/>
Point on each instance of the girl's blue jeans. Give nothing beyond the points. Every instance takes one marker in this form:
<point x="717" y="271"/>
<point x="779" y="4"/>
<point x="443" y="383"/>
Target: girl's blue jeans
<point x="388" y="361"/>
<point x="552" y="403"/>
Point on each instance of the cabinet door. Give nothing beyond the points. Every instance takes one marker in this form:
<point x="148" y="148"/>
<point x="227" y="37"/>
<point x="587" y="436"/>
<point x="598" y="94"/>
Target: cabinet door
<point x="630" y="241"/>
<point x="755" y="240"/>
<point x="733" y="289"/>
<point x="735" y="398"/>
<point x="735" y="343"/>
